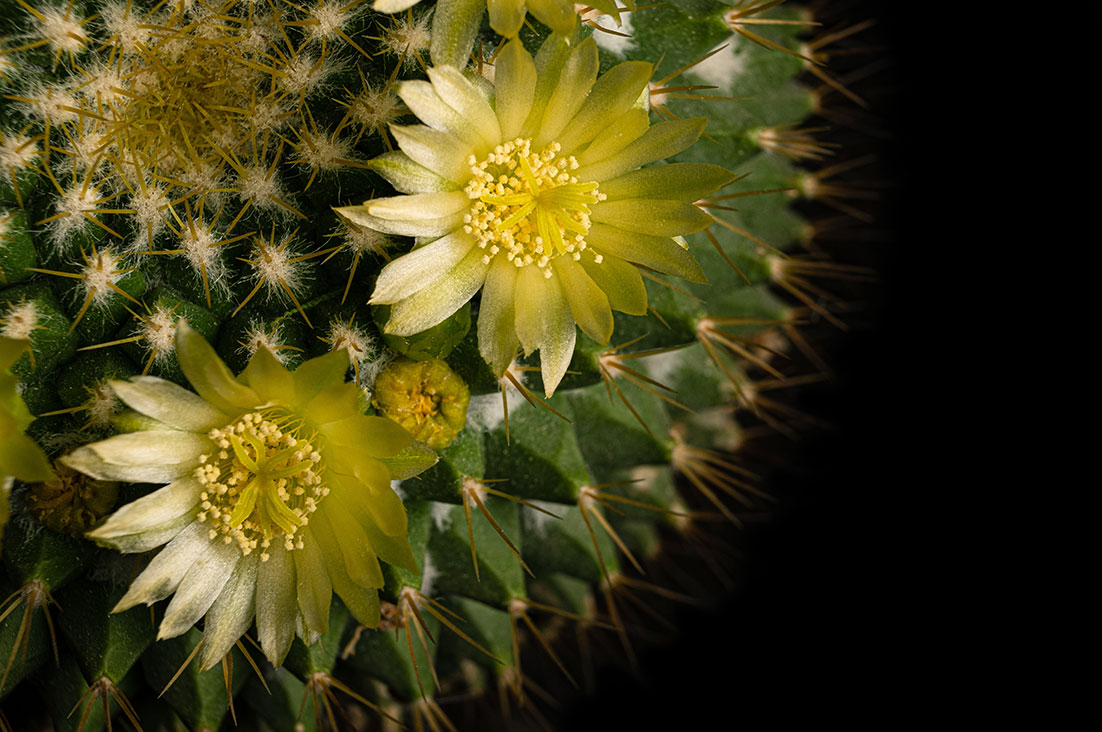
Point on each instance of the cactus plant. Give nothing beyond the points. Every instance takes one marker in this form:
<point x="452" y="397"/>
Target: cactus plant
<point x="494" y="262"/>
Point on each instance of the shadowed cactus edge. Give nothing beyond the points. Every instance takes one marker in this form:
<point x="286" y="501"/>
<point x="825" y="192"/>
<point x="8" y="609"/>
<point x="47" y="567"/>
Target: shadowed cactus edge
<point x="241" y="243"/>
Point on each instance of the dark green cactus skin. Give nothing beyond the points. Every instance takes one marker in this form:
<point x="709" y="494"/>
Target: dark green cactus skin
<point x="624" y="441"/>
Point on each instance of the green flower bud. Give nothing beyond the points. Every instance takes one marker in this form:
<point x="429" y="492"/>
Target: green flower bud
<point x="427" y="398"/>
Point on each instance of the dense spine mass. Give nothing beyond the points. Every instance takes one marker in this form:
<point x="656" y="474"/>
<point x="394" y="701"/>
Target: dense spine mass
<point x="184" y="160"/>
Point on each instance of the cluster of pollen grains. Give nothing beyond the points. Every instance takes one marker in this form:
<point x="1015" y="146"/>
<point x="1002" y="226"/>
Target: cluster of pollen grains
<point x="529" y="205"/>
<point x="261" y="485"/>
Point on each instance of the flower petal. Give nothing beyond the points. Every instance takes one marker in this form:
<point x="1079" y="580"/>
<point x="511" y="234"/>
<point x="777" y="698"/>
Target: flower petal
<point x="392" y="6"/>
<point x="161" y="578"/>
<point x="315" y="593"/>
<point x="163" y="506"/>
<point x="374" y="436"/>
<point x="319" y="373"/>
<point x="460" y="94"/>
<point x="659" y="253"/>
<point x="529" y="320"/>
<point x="661" y="141"/>
<point x="276" y="609"/>
<point x="269" y="378"/>
<point x="515" y="80"/>
<point x="441" y="152"/>
<point x="652" y="216"/>
<point x="22" y="457"/>
<point x="427" y="228"/>
<point x="578" y="74"/>
<point x="431" y="305"/>
<point x="415" y="459"/>
<point x="335" y="403"/>
<point x="360" y="561"/>
<point x="676" y="181"/>
<point x="154" y="536"/>
<point x="421" y="267"/>
<point x="407" y="176"/>
<point x="419" y="206"/>
<point x="612" y="95"/>
<point x="199" y="588"/>
<point x="156" y="456"/>
<point x="231" y="614"/>
<point x="619" y="133"/>
<point x="588" y="305"/>
<point x="559" y="337"/>
<point x="497" y="335"/>
<point x="374" y="502"/>
<point x="362" y="602"/>
<point x="423" y="100"/>
<point x="208" y="375"/>
<point x="168" y="403"/>
<point x="557" y="15"/>
<point x="621" y="283"/>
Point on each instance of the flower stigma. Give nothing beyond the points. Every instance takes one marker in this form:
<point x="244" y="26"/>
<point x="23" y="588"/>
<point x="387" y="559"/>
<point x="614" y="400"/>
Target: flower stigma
<point x="262" y="483"/>
<point x="529" y="204"/>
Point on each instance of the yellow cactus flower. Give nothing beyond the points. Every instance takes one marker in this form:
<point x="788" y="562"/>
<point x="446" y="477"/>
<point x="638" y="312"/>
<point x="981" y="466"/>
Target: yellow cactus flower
<point x="538" y="198"/>
<point x="277" y="496"/>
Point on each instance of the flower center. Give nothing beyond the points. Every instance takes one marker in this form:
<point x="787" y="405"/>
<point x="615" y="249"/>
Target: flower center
<point x="528" y="204"/>
<point x="262" y="484"/>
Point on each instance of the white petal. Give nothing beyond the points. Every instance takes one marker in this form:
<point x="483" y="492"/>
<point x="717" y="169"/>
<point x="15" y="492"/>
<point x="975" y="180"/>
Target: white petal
<point x="418" y="206"/>
<point x="231" y="614"/>
<point x="421" y="267"/>
<point x="154" y="537"/>
<point x="157" y="456"/>
<point x="200" y="587"/>
<point x="430" y="228"/>
<point x="169" y="403"/>
<point x="407" y="176"/>
<point x="431" y="305"/>
<point x="393" y="6"/>
<point x="161" y="578"/>
<point x="441" y="152"/>
<point x="460" y="94"/>
<point x="161" y="507"/>
<point x="424" y="101"/>
<point x="276" y="608"/>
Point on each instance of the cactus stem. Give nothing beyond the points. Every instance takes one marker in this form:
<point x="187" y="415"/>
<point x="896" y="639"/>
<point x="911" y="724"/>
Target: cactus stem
<point x="100" y="405"/>
<point x="741" y="15"/>
<point x="473" y="492"/>
<point x="407" y="608"/>
<point x="517" y="609"/>
<point x="183" y="666"/>
<point x="32" y="596"/>
<point x="710" y="471"/>
<point x="611" y="360"/>
<point x="320" y="685"/>
<point x="795" y="143"/>
<point x="104" y="689"/>
<point x="587" y="497"/>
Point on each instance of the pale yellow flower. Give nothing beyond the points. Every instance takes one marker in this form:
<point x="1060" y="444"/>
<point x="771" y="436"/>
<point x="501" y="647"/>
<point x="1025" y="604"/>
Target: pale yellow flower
<point x="534" y="193"/>
<point x="277" y="496"/>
